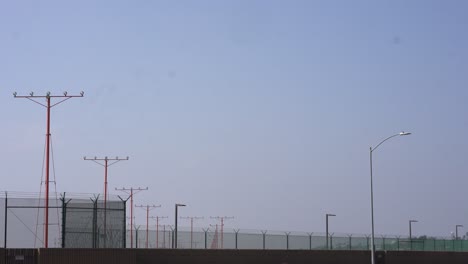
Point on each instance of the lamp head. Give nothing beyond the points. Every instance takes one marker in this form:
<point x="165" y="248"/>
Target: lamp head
<point x="403" y="133"/>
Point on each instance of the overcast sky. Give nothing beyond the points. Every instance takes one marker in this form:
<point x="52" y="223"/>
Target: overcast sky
<point x="261" y="110"/>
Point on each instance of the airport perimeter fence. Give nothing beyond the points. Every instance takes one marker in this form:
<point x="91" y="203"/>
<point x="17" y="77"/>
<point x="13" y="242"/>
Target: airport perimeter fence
<point x="75" y="221"/>
<point x="257" y="239"/>
<point x="82" y="221"/>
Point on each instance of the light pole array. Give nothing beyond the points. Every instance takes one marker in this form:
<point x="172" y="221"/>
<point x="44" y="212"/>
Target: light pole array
<point x="131" y="192"/>
<point x="106" y="165"/>
<point x="157" y="228"/>
<point x="147" y="209"/>
<point x="191" y="218"/>
<point x="371" y="150"/>
<point x="48" y="105"/>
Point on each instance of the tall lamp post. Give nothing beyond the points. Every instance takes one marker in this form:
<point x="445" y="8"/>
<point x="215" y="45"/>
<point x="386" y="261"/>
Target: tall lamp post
<point x="410" y="233"/>
<point x="175" y="226"/>
<point x="456" y="231"/>
<point x="326" y="226"/>
<point x="372" y="191"/>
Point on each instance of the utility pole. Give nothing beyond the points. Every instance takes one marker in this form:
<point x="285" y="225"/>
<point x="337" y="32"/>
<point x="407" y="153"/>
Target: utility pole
<point x="48" y="105"/>
<point x="105" y="165"/>
<point x="147" y="208"/>
<point x="157" y="227"/>
<point x="191" y="227"/>
<point x="131" y="192"/>
<point x="222" y="218"/>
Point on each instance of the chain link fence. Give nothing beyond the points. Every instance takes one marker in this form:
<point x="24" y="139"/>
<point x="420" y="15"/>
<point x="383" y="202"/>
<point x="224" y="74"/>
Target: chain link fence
<point x="270" y="240"/>
<point x="75" y="221"/>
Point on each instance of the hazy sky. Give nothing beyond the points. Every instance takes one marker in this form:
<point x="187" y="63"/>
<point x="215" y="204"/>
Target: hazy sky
<point x="262" y="110"/>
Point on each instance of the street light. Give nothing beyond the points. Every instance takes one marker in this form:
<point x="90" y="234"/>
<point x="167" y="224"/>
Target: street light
<point x="175" y="228"/>
<point x="372" y="191"/>
<point x="410" y="222"/>
<point x="326" y="226"/>
<point x="456" y="231"/>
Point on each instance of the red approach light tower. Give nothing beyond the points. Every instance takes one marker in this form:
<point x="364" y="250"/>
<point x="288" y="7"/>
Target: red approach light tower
<point x="48" y="105"/>
<point x="106" y="165"/>
<point x="157" y="229"/>
<point x="131" y="192"/>
<point x="222" y="218"/>
<point x="147" y="208"/>
<point x="191" y="218"/>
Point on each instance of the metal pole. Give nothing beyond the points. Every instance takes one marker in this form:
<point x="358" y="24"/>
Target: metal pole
<point x="264" y="238"/>
<point x="147" y="224"/>
<point x="131" y="217"/>
<point x="410" y="229"/>
<point x="124" y="235"/>
<point x="326" y="230"/>
<point x="372" y="211"/>
<point x="6" y="222"/>
<point x="157" y="232"/>
<point x="95" y="235"/>
<point x="46" y="228"/>
<point x="222" y="237"/>
<point x="175" y="234"/>
<point x="164" y="236"/>
<point x="191" y="232"/>
<point x="456" y="231"/>
<point x="372" y="191"/>
<point x="136" y="236"/>
<point x="206" y="237"/>
<point x="237" y="234"/>
<point x="64" y="219"/>
<point x="105" y="204"/>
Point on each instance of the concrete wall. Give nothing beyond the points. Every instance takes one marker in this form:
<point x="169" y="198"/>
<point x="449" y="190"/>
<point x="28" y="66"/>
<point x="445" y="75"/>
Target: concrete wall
<point x="163" y="256"/>
<point x="408" y="257"/>
<point x="2" y="256"/>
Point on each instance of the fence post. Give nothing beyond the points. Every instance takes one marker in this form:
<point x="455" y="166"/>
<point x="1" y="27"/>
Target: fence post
<point x="350" y="242"/>
<point x="124" y="234"/>
<point x="206" y="237"/>
<point x="6" y="221"/>
<point x="398" y="243"/>
<point x="331" y="241"/>
<point x="367" y="240"/>
<point x="310" y="240"/>
<point x="94" y="227"/>
<point x="287" y="240"/>
<point x="264" y="237"/>
<point x="236" y="231"/>
<point x="64" y="218"/>
<point x="136" y="236"/>
<point x="383" y="242"/>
